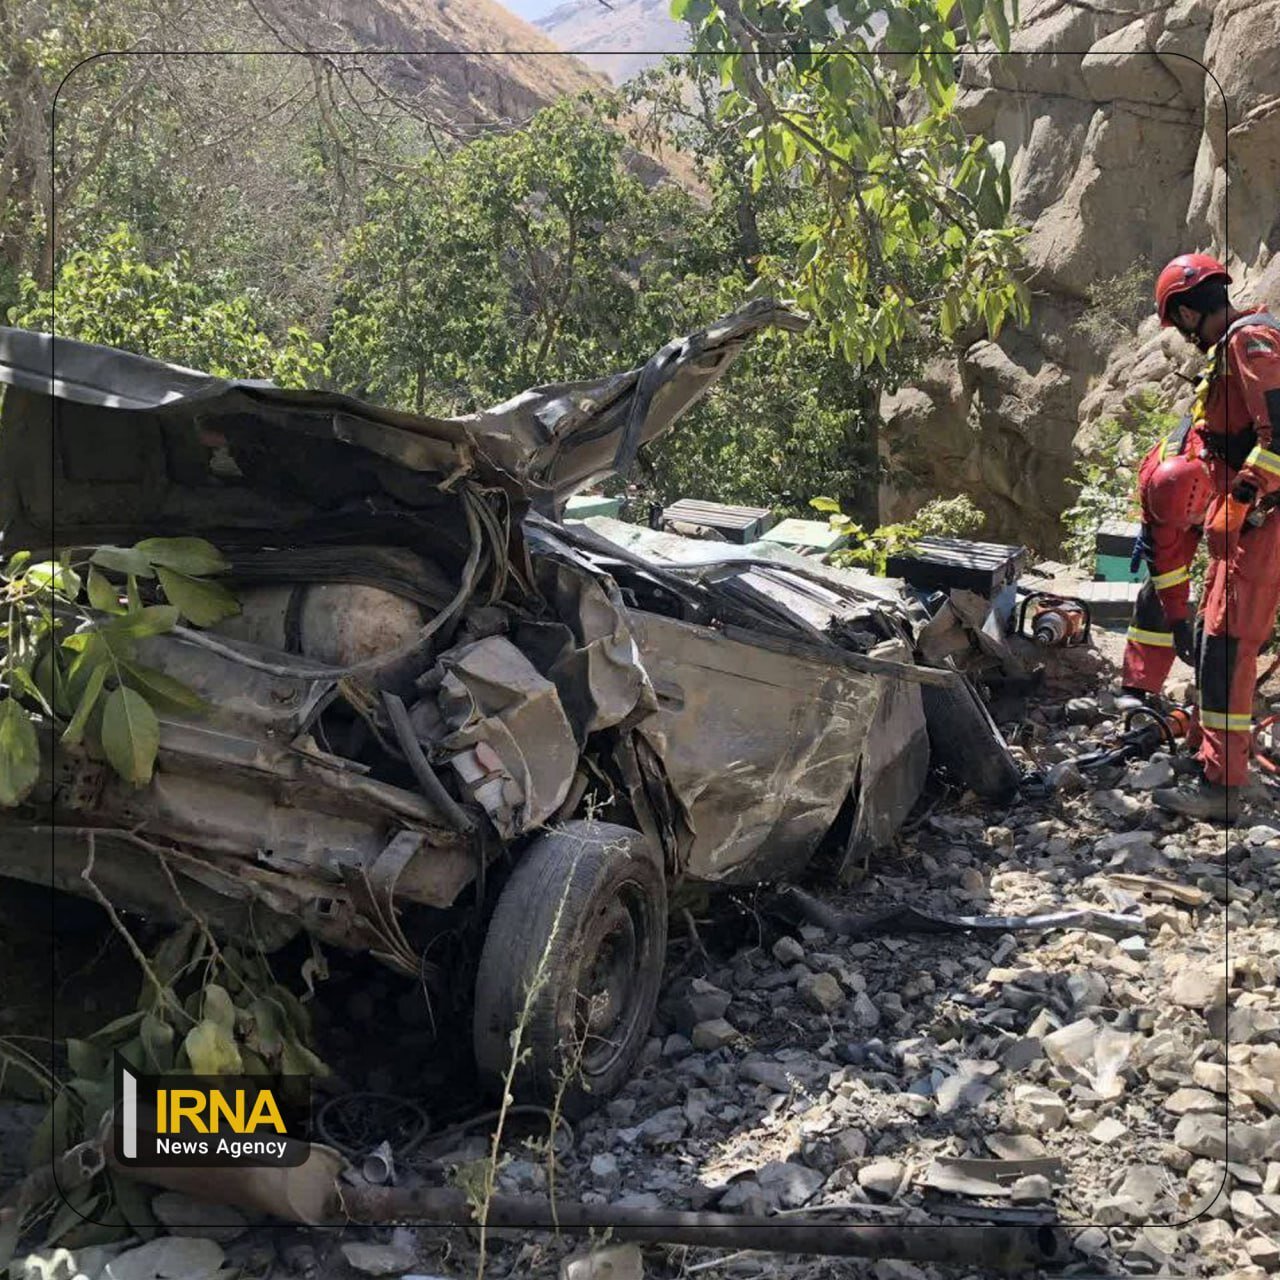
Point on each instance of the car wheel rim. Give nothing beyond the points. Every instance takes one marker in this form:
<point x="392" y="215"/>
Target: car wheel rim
<point x="610" y="995"/>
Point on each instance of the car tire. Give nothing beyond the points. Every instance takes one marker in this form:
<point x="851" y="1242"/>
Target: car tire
<point x="584" y="915"/>
<point x="965" y="742"/>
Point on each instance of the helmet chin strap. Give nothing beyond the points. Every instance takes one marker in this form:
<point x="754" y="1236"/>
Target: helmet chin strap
<point x="1197" y="334"/>
<point x="1201" y="341"/>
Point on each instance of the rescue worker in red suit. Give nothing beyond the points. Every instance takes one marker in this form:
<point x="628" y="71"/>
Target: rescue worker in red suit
<point x="1174" y="489"/>
<point x="1236" y="418"/>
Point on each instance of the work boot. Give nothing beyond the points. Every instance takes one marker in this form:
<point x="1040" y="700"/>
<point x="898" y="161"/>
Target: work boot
<point x="1203" y="800"/>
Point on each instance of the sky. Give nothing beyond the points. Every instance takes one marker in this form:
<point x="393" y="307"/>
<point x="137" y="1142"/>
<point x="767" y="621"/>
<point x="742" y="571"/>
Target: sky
<point x="530" y="9"/>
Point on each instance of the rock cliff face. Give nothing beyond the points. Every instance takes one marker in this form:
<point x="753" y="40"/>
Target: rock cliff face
<point x="1124" y="152"/>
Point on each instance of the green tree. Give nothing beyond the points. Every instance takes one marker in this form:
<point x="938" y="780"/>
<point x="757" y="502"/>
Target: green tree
<point x="909" y="232"/>
<point x="111" y="295"/>
<point x="515" y="259"/>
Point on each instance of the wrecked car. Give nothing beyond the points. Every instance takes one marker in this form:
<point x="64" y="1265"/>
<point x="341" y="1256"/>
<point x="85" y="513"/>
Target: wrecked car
<point x="443" y="712"/>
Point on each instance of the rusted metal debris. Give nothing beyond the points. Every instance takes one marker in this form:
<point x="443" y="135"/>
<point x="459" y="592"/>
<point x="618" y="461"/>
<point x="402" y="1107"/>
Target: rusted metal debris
<point x="1017" y="1250"/>
<point x="315" y="1194"/>
<point x="908" y="919"/>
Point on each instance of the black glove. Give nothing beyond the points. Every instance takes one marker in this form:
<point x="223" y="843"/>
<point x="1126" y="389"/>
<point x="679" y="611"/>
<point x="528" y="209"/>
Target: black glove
<point x="1244" y="491"/>
<point x="1184" y="642"/>
<point x="1142" y="551"/>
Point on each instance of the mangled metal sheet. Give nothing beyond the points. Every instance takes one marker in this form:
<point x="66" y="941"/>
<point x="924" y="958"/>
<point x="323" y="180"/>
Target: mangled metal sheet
<point x="761" y="749"/>
<point x="507" y="736"/>
<point x="827" y="606"/>
<point x="136" y="440"/>
<point x="590" y="652"/>
<point x="561" y="438"/>
<point x="895" y="765"/>
<point x="710" y="560"/>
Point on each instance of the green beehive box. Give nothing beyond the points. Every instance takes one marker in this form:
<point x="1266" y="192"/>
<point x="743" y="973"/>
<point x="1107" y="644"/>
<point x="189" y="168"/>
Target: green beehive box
<point x="582" y="505"/>
<point x="809" y="537"/>
<point x="1113" y="549"/>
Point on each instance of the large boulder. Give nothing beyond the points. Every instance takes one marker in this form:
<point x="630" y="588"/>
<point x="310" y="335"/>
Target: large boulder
<point x="1119" y="159"/>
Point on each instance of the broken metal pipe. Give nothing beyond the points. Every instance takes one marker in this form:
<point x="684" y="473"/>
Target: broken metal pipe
<point x="312" y="1194"/>
<point x="1018" y="1250"/>
<point x="430" y="783"/>
<point x="908" y="919"/>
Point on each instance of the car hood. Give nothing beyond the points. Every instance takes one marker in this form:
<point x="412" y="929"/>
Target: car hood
<point x="543" y="445"/>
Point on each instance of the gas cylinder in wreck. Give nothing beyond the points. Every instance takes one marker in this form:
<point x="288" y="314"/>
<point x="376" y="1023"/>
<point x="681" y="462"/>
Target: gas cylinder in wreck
<point x="339" y="623"/>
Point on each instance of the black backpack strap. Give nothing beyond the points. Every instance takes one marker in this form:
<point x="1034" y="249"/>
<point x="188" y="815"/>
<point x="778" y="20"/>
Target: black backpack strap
<point x="1174" y="445"/>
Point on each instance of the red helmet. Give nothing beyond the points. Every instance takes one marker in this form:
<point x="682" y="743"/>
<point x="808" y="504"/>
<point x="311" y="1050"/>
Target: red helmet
<point x="1179" y="492"/>
<point x="1183" y="273"/>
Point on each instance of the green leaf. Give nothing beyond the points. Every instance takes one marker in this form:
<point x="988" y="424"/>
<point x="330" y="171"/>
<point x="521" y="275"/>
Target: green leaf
<point x="268" y="1023"/>
<point x="130" y="735"/>
<point x="53" y="1134"/>
<point x="117" y="1031"/>
<point x="299" y="1018"/>
<point x="19" y="754"/>
<point x="211" y="1050"/>
<point x="49" y="680"/>
<point x="22" y="682"/>
<point x="74" y="732"/>
<point x="160" y="689"/>
<point x="219" y="1008"/>
<point x="253" y="1064"/>
<point x="50" y="576"/>
<point x="825" y="504"/>
<point x="203" y="603"/>
<point x="157" y="1043"/>
<point x="972" y="10"/>
<point x="193" y="556"/>
<point x="102" y="595"/>
<point x="123" y="560"/>
<point x="95" y="1096"/>
<point x="297" y="1060"/>
<point x="86" y="1059"/>
<point x="998" y="24"/>
<point x="154" y="620"/>
<point x="76" y="1209"/>
<point x="181" y="948"/>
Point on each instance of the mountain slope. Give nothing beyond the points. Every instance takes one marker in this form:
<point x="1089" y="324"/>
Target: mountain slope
<point x="473" y="61"/>
<point x="620" y="40"/>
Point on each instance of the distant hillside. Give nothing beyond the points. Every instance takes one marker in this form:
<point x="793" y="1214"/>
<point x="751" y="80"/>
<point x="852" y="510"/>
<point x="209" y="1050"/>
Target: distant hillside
<point x="517" y="71"/>
<point x="620" y="40"/>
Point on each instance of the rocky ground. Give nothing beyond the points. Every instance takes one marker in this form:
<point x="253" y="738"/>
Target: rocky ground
<point x="1126" y="1084"/>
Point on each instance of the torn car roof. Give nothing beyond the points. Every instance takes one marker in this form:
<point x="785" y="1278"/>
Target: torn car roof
<point x="543" y="445"/>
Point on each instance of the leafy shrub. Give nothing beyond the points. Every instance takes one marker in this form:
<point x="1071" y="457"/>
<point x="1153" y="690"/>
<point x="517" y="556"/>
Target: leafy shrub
<point x="110" y="294"/>
<point x="68" y="652"/>
<point x="943" y="517"/>
<point x="1106" y="475"/>
<point x="1117" y="304"/>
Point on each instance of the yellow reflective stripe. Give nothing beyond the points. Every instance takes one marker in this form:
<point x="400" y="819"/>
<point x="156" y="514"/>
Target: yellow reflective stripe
<point x="1163" y="581"/>
<point x="1162" y="639"/>
<point x="1264" y="459"/>
<point x="1226" y="720"/>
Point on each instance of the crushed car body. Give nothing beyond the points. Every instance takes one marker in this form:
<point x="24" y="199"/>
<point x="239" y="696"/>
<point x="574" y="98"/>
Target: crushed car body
<point x="432" y="677"/>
